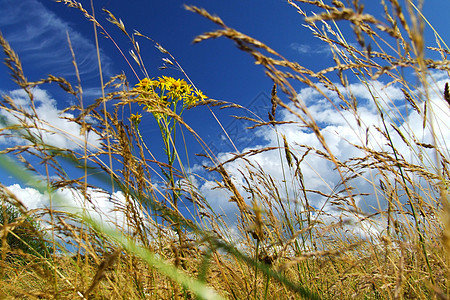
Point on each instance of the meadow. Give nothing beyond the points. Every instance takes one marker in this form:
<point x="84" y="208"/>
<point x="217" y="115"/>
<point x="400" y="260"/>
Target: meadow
<point x="290" y="239"/>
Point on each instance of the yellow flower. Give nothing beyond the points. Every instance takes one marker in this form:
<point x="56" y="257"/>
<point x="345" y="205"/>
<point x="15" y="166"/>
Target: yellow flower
<point x="193" y="98"/>
<point x="190" y="100"/>
<point x="135" y="118"/>
<point x="166" y="82"/>
<point x="146" y="85"/>
<point x="144" y="82"/>
<point x="169" y="91"/>
<point x="177" y="84"/>
<point x="200" y="96"/>
<point x="187" y="89"/>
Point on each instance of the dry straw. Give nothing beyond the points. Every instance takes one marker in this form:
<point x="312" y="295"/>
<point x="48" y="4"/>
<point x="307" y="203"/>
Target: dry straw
<point x="287" y="246"/>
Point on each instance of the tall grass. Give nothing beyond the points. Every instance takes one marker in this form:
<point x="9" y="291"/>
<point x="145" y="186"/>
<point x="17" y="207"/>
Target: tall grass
<point x="173" y="242"/>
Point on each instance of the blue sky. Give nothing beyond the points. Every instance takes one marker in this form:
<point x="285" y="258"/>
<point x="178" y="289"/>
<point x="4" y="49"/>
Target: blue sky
<point x="36" y="30"/>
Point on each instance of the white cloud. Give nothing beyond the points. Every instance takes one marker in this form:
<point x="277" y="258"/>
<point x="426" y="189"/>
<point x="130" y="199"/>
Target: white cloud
<point x="341" y="130"/>
<point x="308" y="49"/>
<point x="51" y="124"/>
<point x="101" y="206"/>
<point x="40" y="38"/>
<point x="109" y="212"/>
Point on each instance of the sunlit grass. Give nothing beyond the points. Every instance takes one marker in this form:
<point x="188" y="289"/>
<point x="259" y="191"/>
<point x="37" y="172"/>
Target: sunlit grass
<point x="171" y="240"/>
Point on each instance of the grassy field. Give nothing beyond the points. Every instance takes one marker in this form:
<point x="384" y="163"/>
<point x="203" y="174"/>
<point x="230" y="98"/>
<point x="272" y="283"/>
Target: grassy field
<point x="286" y="247"/>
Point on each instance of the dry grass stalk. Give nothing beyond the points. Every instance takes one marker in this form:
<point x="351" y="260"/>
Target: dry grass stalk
<point x="288" y="245"/>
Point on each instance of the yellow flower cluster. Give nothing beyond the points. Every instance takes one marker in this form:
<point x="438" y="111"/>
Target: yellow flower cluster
<point x="135" y="119"/>
<point x="171" y="90"/>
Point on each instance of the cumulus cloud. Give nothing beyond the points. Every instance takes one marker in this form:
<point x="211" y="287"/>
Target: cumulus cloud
<point x="51" y="124"/>
<point x="101" y="206"/>
<point x="343" y="131"/>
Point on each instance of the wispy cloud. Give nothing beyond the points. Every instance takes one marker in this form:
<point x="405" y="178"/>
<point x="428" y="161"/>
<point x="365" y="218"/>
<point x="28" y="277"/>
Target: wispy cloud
<point x="311" y="49"/>
<point x="40" y="38"/>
